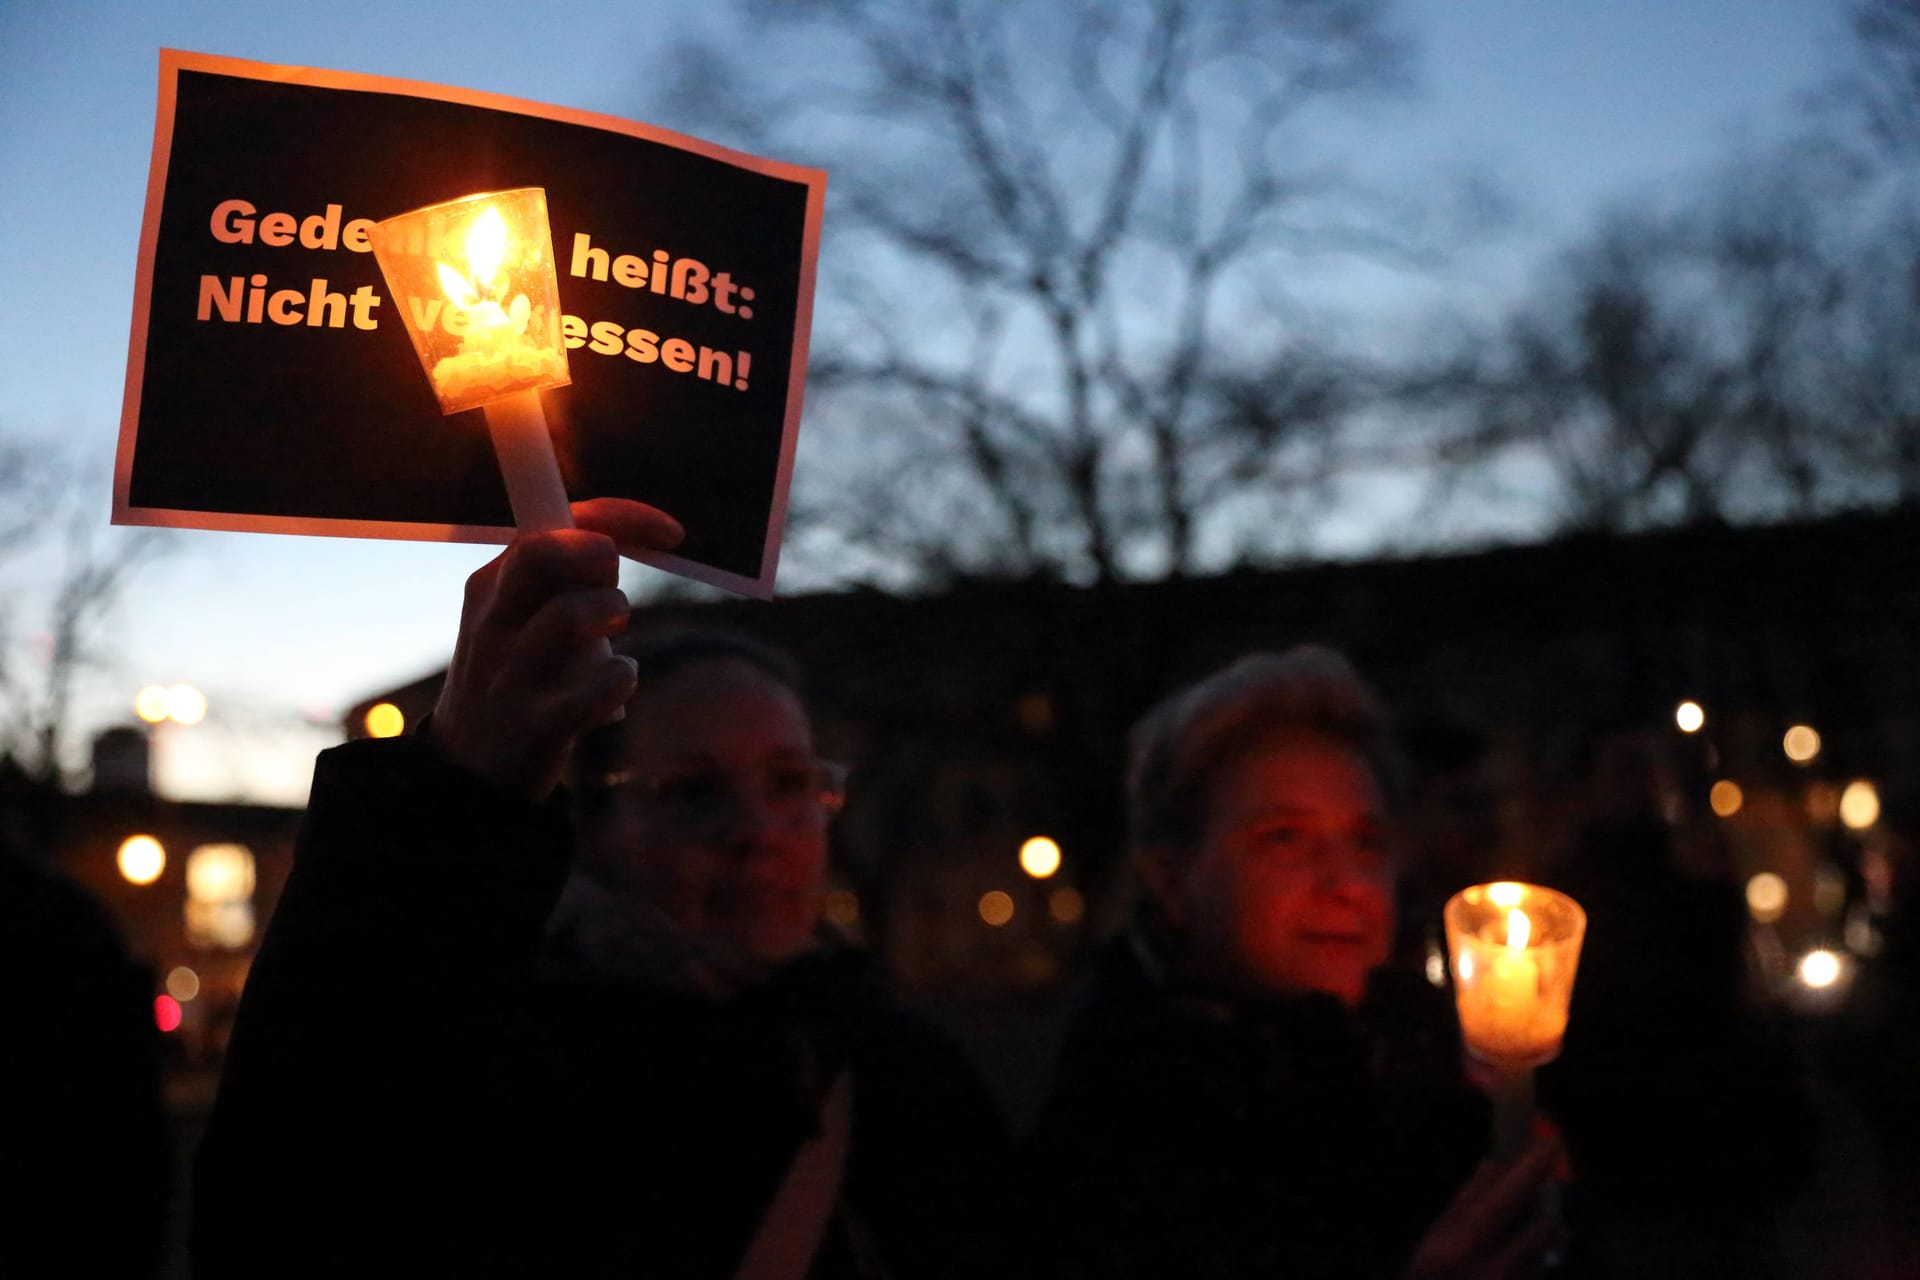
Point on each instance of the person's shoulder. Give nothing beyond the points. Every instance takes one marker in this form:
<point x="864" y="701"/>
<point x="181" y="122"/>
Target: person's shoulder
<point x="399" y="801"/>
<point x="409" y="763"/>
<point x="43" y="913"/>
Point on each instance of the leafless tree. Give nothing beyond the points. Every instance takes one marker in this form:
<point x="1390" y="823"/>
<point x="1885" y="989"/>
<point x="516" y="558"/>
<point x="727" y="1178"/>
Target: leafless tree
<point x="1882" y="89"/>
<point x="1054" y="335"/>
<point x="62" y="573"/>
<point x="1678" y="365"/>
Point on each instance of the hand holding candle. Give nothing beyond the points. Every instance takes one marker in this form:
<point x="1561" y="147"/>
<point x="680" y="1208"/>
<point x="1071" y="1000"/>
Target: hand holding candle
<point x="1515" y="948"/>
<point x="475" y="283"/>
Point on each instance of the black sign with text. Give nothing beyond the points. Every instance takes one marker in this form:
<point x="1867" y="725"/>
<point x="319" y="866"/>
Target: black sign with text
<point x="271" y="385"/>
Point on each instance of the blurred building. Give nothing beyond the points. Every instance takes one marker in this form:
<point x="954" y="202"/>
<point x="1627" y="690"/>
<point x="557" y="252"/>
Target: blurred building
<point x="188" y="883"/>
<point x="995" y="712"/>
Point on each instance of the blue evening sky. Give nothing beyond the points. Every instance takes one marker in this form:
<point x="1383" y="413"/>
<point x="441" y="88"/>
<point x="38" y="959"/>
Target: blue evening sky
<point x="1571" y="102"/>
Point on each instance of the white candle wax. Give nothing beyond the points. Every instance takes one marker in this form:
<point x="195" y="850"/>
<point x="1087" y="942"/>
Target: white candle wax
<point x="1502" y="1013"/>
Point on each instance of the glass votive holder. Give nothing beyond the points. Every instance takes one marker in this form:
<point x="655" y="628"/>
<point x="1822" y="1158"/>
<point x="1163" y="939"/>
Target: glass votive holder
<point x="474" y="282"/>
<point x="1514" y="949"/>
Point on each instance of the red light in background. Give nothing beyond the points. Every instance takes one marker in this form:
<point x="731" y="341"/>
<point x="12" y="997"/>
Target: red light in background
<point x="166" y="1013"/>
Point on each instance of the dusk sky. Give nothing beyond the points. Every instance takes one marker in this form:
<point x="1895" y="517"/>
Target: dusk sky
<point x="1572" y="103"/>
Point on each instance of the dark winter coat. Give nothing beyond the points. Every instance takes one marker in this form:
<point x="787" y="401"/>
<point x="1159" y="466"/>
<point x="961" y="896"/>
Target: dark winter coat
<point x="1199" y="1134"/>
<point x="410" y="1090"/>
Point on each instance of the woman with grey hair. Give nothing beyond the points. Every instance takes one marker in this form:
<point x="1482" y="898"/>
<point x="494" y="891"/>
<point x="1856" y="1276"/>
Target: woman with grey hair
<point x="1243" y="1088"/>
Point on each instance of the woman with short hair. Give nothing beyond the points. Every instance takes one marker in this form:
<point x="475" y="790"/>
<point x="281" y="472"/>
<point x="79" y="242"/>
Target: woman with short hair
<point x="1243" y="1088"/>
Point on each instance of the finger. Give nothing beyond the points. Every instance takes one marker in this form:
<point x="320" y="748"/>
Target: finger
<point x="1496" y="1194"/>
<point x="1516" y="1188"/>
<point x="632" y="525"/>
<point x="1521" y="1256"/>
<point x="476" y="598"/>
<point x="553" y="642"/>
<point x="540" y="566"/>
<point x="592" y="695"/>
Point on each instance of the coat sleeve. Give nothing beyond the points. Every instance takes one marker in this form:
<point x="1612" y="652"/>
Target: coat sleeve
<point x="351" y="1119"/>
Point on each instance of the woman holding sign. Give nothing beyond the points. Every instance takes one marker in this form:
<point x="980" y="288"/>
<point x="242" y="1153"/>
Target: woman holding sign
<point x="475" y="1042"/>
<point x="1244" y="1088"/>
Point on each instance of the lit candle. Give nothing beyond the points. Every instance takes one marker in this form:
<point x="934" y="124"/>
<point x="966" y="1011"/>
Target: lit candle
<point x="487" y="328"/>
<point x="1515" y="950"/>
<point x="495" y="358"/>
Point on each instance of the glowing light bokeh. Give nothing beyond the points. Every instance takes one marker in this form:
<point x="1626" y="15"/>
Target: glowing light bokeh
<point x="1860" y="805"/>
<point x="842" y="906"/>
<point x="220" y="873"/>
<point x="996" y="907"/>
<point x="1829" y="890"/>
<point x="1690" y="716"/>
<point x="1819" y="969"/>
<point x="219" y="924"/>
<point x="1040" y="857"/>
<point x="1066" y="905"/>
<point x="141" y="859"/>
<point x="384" y="720"/>
<point x="150" y="704"/>
<point x="1802" y="743"/>
<point x="166" y="1013"/>
<point x="183" y="984"/>
<point x="1766" y="897"/>
<point x="1726" y="797"/>
<point x="186" y="704"/>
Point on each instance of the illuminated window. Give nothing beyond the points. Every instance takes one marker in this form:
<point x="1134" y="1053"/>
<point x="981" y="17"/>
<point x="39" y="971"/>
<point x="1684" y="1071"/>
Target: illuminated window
<point x="219" y="908"/>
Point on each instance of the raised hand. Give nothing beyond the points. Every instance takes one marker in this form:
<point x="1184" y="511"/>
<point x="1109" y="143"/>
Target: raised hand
<point x="1497" y="1227"/>
<point x="531" y="670"/>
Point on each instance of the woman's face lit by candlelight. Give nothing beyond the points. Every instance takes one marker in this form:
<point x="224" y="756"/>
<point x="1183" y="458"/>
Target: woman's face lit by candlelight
<point x="1290" y="888"/>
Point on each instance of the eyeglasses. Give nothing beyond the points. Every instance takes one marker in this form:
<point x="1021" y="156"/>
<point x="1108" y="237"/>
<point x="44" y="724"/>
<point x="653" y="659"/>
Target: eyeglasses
<point x="792" y="793"/>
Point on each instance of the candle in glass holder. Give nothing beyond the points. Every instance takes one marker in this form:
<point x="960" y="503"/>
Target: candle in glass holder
<point x="475" y="282"/>
<point x="1515" y="948"/>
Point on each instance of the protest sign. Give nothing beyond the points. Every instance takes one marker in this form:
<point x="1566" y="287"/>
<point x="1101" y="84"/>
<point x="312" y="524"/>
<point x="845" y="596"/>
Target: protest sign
<point x="271" y="385"/>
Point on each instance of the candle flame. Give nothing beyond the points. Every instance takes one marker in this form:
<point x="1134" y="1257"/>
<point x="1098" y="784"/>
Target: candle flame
<point x="486" y="249"/>
<point x="1506" y="893"/>
<point x="1519" y="929"/>
<point x="459" y="292"/>
<point x="486" y="246"/>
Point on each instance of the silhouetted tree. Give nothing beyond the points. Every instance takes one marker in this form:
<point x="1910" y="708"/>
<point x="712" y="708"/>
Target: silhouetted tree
<point x="1052" y="336"/>
<point x="62" y="572"/>
<point x="1883" y="87"/>
<point x="1679" y="364"/>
